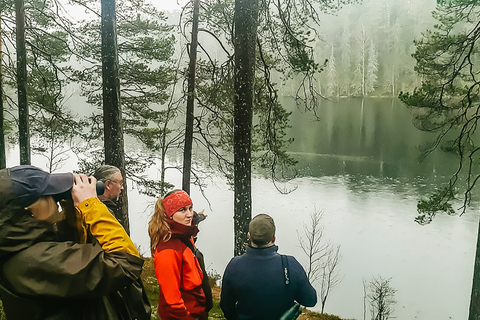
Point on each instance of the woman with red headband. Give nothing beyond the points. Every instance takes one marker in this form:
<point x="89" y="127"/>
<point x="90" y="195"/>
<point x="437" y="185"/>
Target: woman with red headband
<point x="178" y="270"/>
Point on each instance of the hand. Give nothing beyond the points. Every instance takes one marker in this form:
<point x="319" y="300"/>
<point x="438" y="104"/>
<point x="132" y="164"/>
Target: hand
<point x="198" y="217"/>
<point x="83" y="188"/>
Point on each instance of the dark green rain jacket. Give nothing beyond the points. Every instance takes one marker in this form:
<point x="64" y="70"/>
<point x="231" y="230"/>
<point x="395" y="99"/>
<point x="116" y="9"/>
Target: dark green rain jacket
<point x="42" y="276"/>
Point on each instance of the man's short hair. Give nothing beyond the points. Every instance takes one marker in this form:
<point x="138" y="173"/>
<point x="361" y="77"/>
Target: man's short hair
<point x="261" y="229"/>
<point x="106" y="172"/>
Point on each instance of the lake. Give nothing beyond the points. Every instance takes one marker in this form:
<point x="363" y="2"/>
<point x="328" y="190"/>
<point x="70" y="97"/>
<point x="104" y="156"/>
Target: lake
<point x="359" y="166"/>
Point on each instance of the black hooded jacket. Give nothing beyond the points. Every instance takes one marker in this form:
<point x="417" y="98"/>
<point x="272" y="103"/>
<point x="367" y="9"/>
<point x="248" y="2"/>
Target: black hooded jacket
<point x="43" y="276"/>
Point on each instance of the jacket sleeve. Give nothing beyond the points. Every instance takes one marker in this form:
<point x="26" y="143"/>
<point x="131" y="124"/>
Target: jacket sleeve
<point x="105" y="227"/>
<point x="227" y="296"/>
<point x="305" y="294"/>
<point x="168" y="269"/>
<point x="69" y="270"/>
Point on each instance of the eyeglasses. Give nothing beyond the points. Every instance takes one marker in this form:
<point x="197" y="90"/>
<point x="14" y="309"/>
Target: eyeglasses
<point x="115" y="181"/>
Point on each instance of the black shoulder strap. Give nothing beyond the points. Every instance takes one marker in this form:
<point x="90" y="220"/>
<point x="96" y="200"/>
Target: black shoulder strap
<point x="293" y="312"/>
<point x="189" y="244"/>
<point x="285" y="269"/>
<point x="207" y="290"/>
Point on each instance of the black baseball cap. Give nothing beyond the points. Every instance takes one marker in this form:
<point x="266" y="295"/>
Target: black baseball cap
<point x="23" y="185"/>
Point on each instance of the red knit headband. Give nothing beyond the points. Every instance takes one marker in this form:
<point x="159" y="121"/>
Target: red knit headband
<point x="175" y="201"/>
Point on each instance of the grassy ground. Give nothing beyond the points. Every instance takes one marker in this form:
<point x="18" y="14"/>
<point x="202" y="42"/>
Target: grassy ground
<point x="150" y="282"/>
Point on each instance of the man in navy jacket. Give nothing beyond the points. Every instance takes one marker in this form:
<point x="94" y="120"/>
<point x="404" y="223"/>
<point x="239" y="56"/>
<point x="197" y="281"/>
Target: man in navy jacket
<point x="255" y="286"/>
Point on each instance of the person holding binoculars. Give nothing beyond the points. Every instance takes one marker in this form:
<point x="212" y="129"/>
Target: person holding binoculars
<point x="74" y="263"/>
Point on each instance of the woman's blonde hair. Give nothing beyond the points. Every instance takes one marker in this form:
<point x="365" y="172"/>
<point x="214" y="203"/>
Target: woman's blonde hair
<point x="158" y="227"/>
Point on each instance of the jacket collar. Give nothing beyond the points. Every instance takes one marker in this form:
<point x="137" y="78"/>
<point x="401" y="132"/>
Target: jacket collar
<point x="268" y="252"/>
<point x="181" y="231"/>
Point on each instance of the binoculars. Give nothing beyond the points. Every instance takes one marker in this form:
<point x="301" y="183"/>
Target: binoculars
<point x="100" y="188"/>
<point x="68" y="194"/>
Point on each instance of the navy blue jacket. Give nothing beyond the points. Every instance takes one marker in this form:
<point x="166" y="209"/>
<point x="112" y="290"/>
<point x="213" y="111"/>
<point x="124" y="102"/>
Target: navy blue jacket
<point x="253" y="286"/>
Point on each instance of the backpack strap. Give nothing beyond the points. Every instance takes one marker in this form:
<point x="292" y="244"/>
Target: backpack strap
<point x="189" y="244"/>
<point x="207" y="290"/>
<point x="285" y="269"/>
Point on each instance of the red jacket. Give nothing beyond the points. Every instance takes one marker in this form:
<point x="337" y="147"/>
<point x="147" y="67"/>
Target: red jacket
<point x="179" y="277"/>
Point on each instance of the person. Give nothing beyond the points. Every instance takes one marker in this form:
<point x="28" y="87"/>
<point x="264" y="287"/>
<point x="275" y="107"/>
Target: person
<point x="183" y="283"/>
<point x="77" y="263"/>
<point x="112" y="179"/>
<point x="255" y="285"/>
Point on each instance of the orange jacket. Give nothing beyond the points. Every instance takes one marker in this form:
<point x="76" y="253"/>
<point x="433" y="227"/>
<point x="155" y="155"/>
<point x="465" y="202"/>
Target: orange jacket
<point x="180" y="279"/>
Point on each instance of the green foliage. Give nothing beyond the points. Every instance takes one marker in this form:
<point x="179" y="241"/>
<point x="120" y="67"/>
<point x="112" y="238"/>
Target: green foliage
<point x="52" y="135"/>
<point x="438" y="202"/>
<point x="2" y="314"/>
<point x="215" y="123"/>
<point x="448" y="100"/>
<point x="299" y="56"/>
<point x="285" y="32"/>
<point x="146" y="75"/>
<point x="270" y="142"/>
<point x="47" y="49"/>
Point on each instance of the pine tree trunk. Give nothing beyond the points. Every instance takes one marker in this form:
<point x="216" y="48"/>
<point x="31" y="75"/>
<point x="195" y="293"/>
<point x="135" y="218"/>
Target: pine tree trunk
<point x="3" y="156"/>
<point x="112" y="113"/>
<point x="187" y="152"/>
<point x="474" y="313"/>
<point x="23" y="121"/>
<point x="246" y="19"/>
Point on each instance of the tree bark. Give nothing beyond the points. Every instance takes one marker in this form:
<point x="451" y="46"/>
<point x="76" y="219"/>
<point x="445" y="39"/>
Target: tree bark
<point x="246" y="20"/>
<point x="112" y="113"/>
<point x="23" y="121"/>
<point x="474" y="312"/>
<point x="3" y="156"/>
<point x="187" y="152"/>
